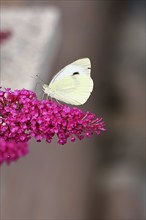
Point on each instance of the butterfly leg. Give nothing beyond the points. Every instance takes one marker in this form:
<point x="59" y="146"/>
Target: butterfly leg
<point x="49" y="97"/>
<point x="43" y="96"/>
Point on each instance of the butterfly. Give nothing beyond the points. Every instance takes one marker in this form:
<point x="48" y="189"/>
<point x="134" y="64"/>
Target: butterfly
<point x="73" y="84"/>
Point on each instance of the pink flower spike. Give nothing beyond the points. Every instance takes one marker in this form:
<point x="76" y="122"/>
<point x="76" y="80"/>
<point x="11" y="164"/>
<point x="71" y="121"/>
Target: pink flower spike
<point x="23" y="116"/>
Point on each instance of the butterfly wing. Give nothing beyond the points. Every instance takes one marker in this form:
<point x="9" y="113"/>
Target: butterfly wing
<point x="81" y="66"/>
<point x="74" y="89"/>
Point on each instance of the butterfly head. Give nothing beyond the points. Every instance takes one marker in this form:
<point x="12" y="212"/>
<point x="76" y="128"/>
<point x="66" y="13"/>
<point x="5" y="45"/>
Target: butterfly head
<point x="45" y="86"/>
<point x="46" y="89"/>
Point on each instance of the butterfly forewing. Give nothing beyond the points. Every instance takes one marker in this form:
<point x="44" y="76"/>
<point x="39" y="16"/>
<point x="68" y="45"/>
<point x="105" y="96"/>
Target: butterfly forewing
<point x="81" y="66"/>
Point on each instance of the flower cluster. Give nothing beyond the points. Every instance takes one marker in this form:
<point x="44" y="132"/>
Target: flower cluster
<point x="23" y="116"/>
<point x="11" y="151"/>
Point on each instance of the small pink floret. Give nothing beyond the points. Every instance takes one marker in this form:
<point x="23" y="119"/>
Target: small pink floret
<point x="11" y="151"/>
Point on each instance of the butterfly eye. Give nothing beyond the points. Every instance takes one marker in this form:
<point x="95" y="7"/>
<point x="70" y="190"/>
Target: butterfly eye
<point x="76" y="73"/>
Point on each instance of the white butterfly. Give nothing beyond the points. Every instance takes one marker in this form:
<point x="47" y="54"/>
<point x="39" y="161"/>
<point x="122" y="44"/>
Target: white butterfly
<point x="73" y="84"/>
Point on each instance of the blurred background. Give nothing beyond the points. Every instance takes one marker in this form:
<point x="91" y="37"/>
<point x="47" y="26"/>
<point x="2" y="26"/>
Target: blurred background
<point x="101" y="177"/>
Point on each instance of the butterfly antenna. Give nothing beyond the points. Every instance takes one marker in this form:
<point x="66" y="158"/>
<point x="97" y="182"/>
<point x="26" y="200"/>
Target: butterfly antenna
<point x="43" y="96"/>
<point x="40" y="78"/>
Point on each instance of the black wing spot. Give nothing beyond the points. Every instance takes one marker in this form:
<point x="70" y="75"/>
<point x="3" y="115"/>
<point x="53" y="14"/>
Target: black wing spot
<point x="89" y="68"/>
<point x="75" y="73"/>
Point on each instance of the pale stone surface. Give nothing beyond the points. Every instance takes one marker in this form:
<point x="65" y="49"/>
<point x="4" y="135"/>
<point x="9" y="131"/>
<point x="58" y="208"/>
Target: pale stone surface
<point x="32" y="46"/>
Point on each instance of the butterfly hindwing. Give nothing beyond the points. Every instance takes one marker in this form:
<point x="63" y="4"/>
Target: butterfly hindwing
<point x="73" y="90"/>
